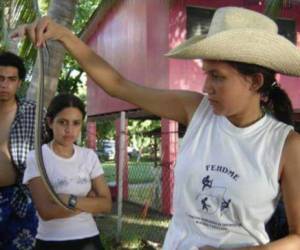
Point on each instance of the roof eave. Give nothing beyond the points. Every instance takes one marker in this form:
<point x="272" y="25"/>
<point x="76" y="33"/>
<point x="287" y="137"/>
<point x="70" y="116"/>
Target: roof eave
<point x="96" y="18"/>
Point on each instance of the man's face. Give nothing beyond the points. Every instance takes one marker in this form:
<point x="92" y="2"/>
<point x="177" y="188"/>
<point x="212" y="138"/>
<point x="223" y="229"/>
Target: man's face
<point x="9" y="82"/>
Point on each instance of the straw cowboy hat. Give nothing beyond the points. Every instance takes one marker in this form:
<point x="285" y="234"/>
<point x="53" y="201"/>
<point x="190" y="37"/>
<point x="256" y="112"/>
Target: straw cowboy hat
<point x="242" y="35"/>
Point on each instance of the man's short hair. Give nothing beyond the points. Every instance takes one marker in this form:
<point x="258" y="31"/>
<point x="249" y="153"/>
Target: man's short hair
<point x="10" y="59"/>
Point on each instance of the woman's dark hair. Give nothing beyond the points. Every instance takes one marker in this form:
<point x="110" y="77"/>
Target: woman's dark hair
<point x="9" y="59"/>
<point x="274" y="99"/>
<point x="59" y="103"/>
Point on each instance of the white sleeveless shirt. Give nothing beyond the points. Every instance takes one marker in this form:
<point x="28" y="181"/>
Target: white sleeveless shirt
<point x="226" y="182"/>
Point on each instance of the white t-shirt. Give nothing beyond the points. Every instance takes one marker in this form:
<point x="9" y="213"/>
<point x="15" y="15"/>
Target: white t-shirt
<point x="226" y="182"/>
<point x="68" y="176"/>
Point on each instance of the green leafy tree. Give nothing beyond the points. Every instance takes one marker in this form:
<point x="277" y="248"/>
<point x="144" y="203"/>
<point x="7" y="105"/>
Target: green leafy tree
<point x="106" y="130"/>
<point x="15" y="12"/>
<point x="273" y="8"/>
<point x="139" y="130"/>
<point x="63" y="11"/>
<point x="71" y="77"/>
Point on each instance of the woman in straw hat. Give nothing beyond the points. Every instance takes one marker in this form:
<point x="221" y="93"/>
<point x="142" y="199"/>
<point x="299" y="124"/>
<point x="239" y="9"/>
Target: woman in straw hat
<point x="240" y="151"/>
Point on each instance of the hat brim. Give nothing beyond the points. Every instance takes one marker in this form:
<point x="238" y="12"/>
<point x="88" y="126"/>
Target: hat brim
<point x="251" y="46"/>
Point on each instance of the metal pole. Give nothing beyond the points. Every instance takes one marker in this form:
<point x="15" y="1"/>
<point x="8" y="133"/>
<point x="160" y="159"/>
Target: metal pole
<point x="122" y="155"/>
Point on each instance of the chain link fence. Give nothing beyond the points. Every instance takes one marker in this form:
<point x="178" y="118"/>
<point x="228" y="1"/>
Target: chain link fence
<point x="143" y="223"/>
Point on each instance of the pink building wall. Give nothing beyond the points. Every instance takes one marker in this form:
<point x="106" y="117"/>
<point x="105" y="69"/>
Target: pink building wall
<point x="134" y="41"/>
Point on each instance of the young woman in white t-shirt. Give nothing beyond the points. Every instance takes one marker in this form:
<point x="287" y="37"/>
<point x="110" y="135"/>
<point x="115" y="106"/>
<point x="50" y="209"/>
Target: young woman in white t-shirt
<point x="76" y="175"/>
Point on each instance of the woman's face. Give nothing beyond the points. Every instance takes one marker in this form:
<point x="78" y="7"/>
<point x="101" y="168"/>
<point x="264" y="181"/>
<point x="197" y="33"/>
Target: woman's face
<point x="66" y="126"/>
<point x="229" y="92"/>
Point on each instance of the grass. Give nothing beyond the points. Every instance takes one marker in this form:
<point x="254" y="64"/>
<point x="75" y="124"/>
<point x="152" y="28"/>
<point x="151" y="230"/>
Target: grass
<point x="138" y="172"/>
<point x="136" y="231"/>
<point x="144" y="195"/>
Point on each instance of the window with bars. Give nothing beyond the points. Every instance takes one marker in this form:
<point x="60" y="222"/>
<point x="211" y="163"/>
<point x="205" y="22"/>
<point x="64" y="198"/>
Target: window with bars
<point x="287" y="28"/>
<point x="199" y="19"/>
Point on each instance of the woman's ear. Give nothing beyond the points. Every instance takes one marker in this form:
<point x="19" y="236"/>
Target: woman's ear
<point x="257" y="82"/>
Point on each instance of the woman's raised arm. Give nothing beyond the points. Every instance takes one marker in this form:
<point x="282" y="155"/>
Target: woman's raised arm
<point x="177" y="105"/>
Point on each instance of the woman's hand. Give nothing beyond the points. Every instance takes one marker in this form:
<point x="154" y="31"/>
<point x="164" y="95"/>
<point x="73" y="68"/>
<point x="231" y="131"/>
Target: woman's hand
<point x="40" y="31"/>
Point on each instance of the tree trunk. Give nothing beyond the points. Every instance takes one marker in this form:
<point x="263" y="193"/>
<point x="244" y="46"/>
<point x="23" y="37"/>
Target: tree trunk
<point x="63" y="12"/>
